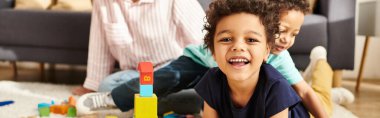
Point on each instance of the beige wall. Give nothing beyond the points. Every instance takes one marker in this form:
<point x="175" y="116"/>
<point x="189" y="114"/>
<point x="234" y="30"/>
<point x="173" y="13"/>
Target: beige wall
<point x="372" y="66"/>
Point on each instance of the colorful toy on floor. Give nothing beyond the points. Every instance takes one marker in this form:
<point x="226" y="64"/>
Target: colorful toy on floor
<point x="146" y="101"/>
<point x="171" y="114"/>
<point x="66" y="108"/>
<point x="3" y="103"/>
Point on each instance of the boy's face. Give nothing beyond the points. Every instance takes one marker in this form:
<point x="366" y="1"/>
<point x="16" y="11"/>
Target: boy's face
<point x="290" y="25"/>
<point x="240" y="45"/>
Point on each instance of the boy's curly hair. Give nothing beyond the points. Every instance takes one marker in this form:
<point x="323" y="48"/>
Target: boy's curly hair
<point x="287" y="5"/>
<point x="218" y="9"/>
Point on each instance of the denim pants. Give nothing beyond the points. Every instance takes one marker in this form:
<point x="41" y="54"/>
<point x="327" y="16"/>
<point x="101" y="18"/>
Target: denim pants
<point x="116" y="79"/>
<point x="180" y="74"/>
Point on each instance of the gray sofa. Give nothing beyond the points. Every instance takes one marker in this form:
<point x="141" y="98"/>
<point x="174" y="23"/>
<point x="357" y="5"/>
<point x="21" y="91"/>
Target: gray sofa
<point x="332" y="25"/>
<point x="43" y="35"/>
<point x="62" y="37"/>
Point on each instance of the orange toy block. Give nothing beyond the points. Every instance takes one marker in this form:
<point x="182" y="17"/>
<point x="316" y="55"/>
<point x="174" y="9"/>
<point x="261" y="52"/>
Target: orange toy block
<point x="59" y="109"/>
<point x="146" y="73"/>
<point x="72" y="101"/>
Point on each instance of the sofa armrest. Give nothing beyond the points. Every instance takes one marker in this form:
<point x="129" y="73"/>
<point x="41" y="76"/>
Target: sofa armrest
<point x="6" y="4"/>
<point x="341" y="31"/>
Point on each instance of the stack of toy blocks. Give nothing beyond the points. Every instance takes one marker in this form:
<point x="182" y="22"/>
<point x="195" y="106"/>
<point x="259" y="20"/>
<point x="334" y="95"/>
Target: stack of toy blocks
<point x="146" y="101"/>
<point x="67" y="109"/>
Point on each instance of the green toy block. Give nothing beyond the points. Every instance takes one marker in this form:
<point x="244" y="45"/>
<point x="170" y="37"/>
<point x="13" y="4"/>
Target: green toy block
<point x="44" y="111"/>
<point x="71" y="112"/>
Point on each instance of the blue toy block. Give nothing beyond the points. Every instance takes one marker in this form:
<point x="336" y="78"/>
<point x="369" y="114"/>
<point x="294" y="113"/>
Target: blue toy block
<point x="41" y="105"/>
<point x="146" y="90"/>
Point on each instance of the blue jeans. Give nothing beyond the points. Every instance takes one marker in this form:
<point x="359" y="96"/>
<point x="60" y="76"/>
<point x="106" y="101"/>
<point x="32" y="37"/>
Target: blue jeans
<point x="116" y="79"/>
<point x="180" y="74"/>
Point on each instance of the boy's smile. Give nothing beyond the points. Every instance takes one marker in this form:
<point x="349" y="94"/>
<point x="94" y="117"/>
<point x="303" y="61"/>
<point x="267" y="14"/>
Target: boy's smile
<point x="240" y="46"/>
<point x="238" y="61"/>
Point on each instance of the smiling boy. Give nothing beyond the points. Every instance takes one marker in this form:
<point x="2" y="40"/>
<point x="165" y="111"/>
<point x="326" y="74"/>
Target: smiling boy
<point x="240" y="33"/>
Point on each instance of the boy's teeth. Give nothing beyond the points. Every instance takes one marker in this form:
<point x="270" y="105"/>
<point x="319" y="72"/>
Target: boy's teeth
<point x="238" y="60"/>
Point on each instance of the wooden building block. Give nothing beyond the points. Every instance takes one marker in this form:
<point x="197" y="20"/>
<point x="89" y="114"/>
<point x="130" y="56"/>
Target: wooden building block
<point x="145" y="107"/>
<point x="59" y="109"/>
<point x="146" y="90"/>
<point x="146" y="73"/>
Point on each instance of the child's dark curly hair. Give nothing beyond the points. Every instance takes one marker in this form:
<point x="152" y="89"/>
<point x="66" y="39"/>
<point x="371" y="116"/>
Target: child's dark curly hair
<point x="287" y="5"/>
<point x="268" y="15"/>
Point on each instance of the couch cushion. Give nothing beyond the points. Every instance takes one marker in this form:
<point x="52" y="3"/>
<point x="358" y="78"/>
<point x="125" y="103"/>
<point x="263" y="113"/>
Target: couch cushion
<point x="32" y="4"/>
<point x="313" y="33"/>
<point x="43" y="54"/>
<point x="300" y="60"/>
<point x="6" y="4"/>
<point x="49" y="29"/>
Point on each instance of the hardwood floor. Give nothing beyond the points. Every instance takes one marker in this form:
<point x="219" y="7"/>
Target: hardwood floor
<point x="367" y="100"/>
<point x="30" y="71"/>
<point x="366" y="105"/>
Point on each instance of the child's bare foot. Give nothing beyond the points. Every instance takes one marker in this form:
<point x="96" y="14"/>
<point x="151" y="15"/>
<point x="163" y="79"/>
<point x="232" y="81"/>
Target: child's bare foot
<point x="81" y="90"/>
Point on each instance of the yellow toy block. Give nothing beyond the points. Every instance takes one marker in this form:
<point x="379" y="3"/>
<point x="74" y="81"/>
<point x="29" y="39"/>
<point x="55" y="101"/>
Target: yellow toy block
<point x="145" y="107"/>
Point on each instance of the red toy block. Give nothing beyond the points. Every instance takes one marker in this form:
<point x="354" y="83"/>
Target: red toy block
<point x="146" y="73"/>
<point x="145" y="67"/>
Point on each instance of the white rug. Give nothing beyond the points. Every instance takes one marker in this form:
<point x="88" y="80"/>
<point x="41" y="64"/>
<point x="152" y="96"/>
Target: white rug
<point x="27" y="95"/>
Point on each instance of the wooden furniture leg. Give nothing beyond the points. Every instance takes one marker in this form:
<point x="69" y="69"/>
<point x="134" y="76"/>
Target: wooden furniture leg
<point x="362" y="62"/>
<point x="14" y="67"/>
<point x="52" y="72"/>
<point x="42" y="71"/>
<point x="337" y="78"/>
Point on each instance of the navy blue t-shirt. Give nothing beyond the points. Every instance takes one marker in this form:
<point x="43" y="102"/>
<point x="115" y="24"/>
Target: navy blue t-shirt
<point x="272" y="95"/>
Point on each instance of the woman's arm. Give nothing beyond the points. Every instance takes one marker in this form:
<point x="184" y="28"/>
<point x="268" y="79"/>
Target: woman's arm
<point x="310" y="99"/>
<point x="100" y="61"/>
<point x="188" y="16"/>
<point x="283" y="114"/>
<point x="209" y="112"/>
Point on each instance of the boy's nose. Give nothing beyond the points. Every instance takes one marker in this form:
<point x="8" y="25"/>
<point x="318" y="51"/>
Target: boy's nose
<point x="237" y="49"/>
<point x="284" y="39"/>
<point x="238" y="46"/>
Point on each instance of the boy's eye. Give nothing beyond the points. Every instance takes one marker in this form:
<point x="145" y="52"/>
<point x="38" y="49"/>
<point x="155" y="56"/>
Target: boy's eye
<point x="252" y="40"/>
<point x="284" y="33"/>
<point x="225" y="40"/>
<point x="294" y="35"/>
